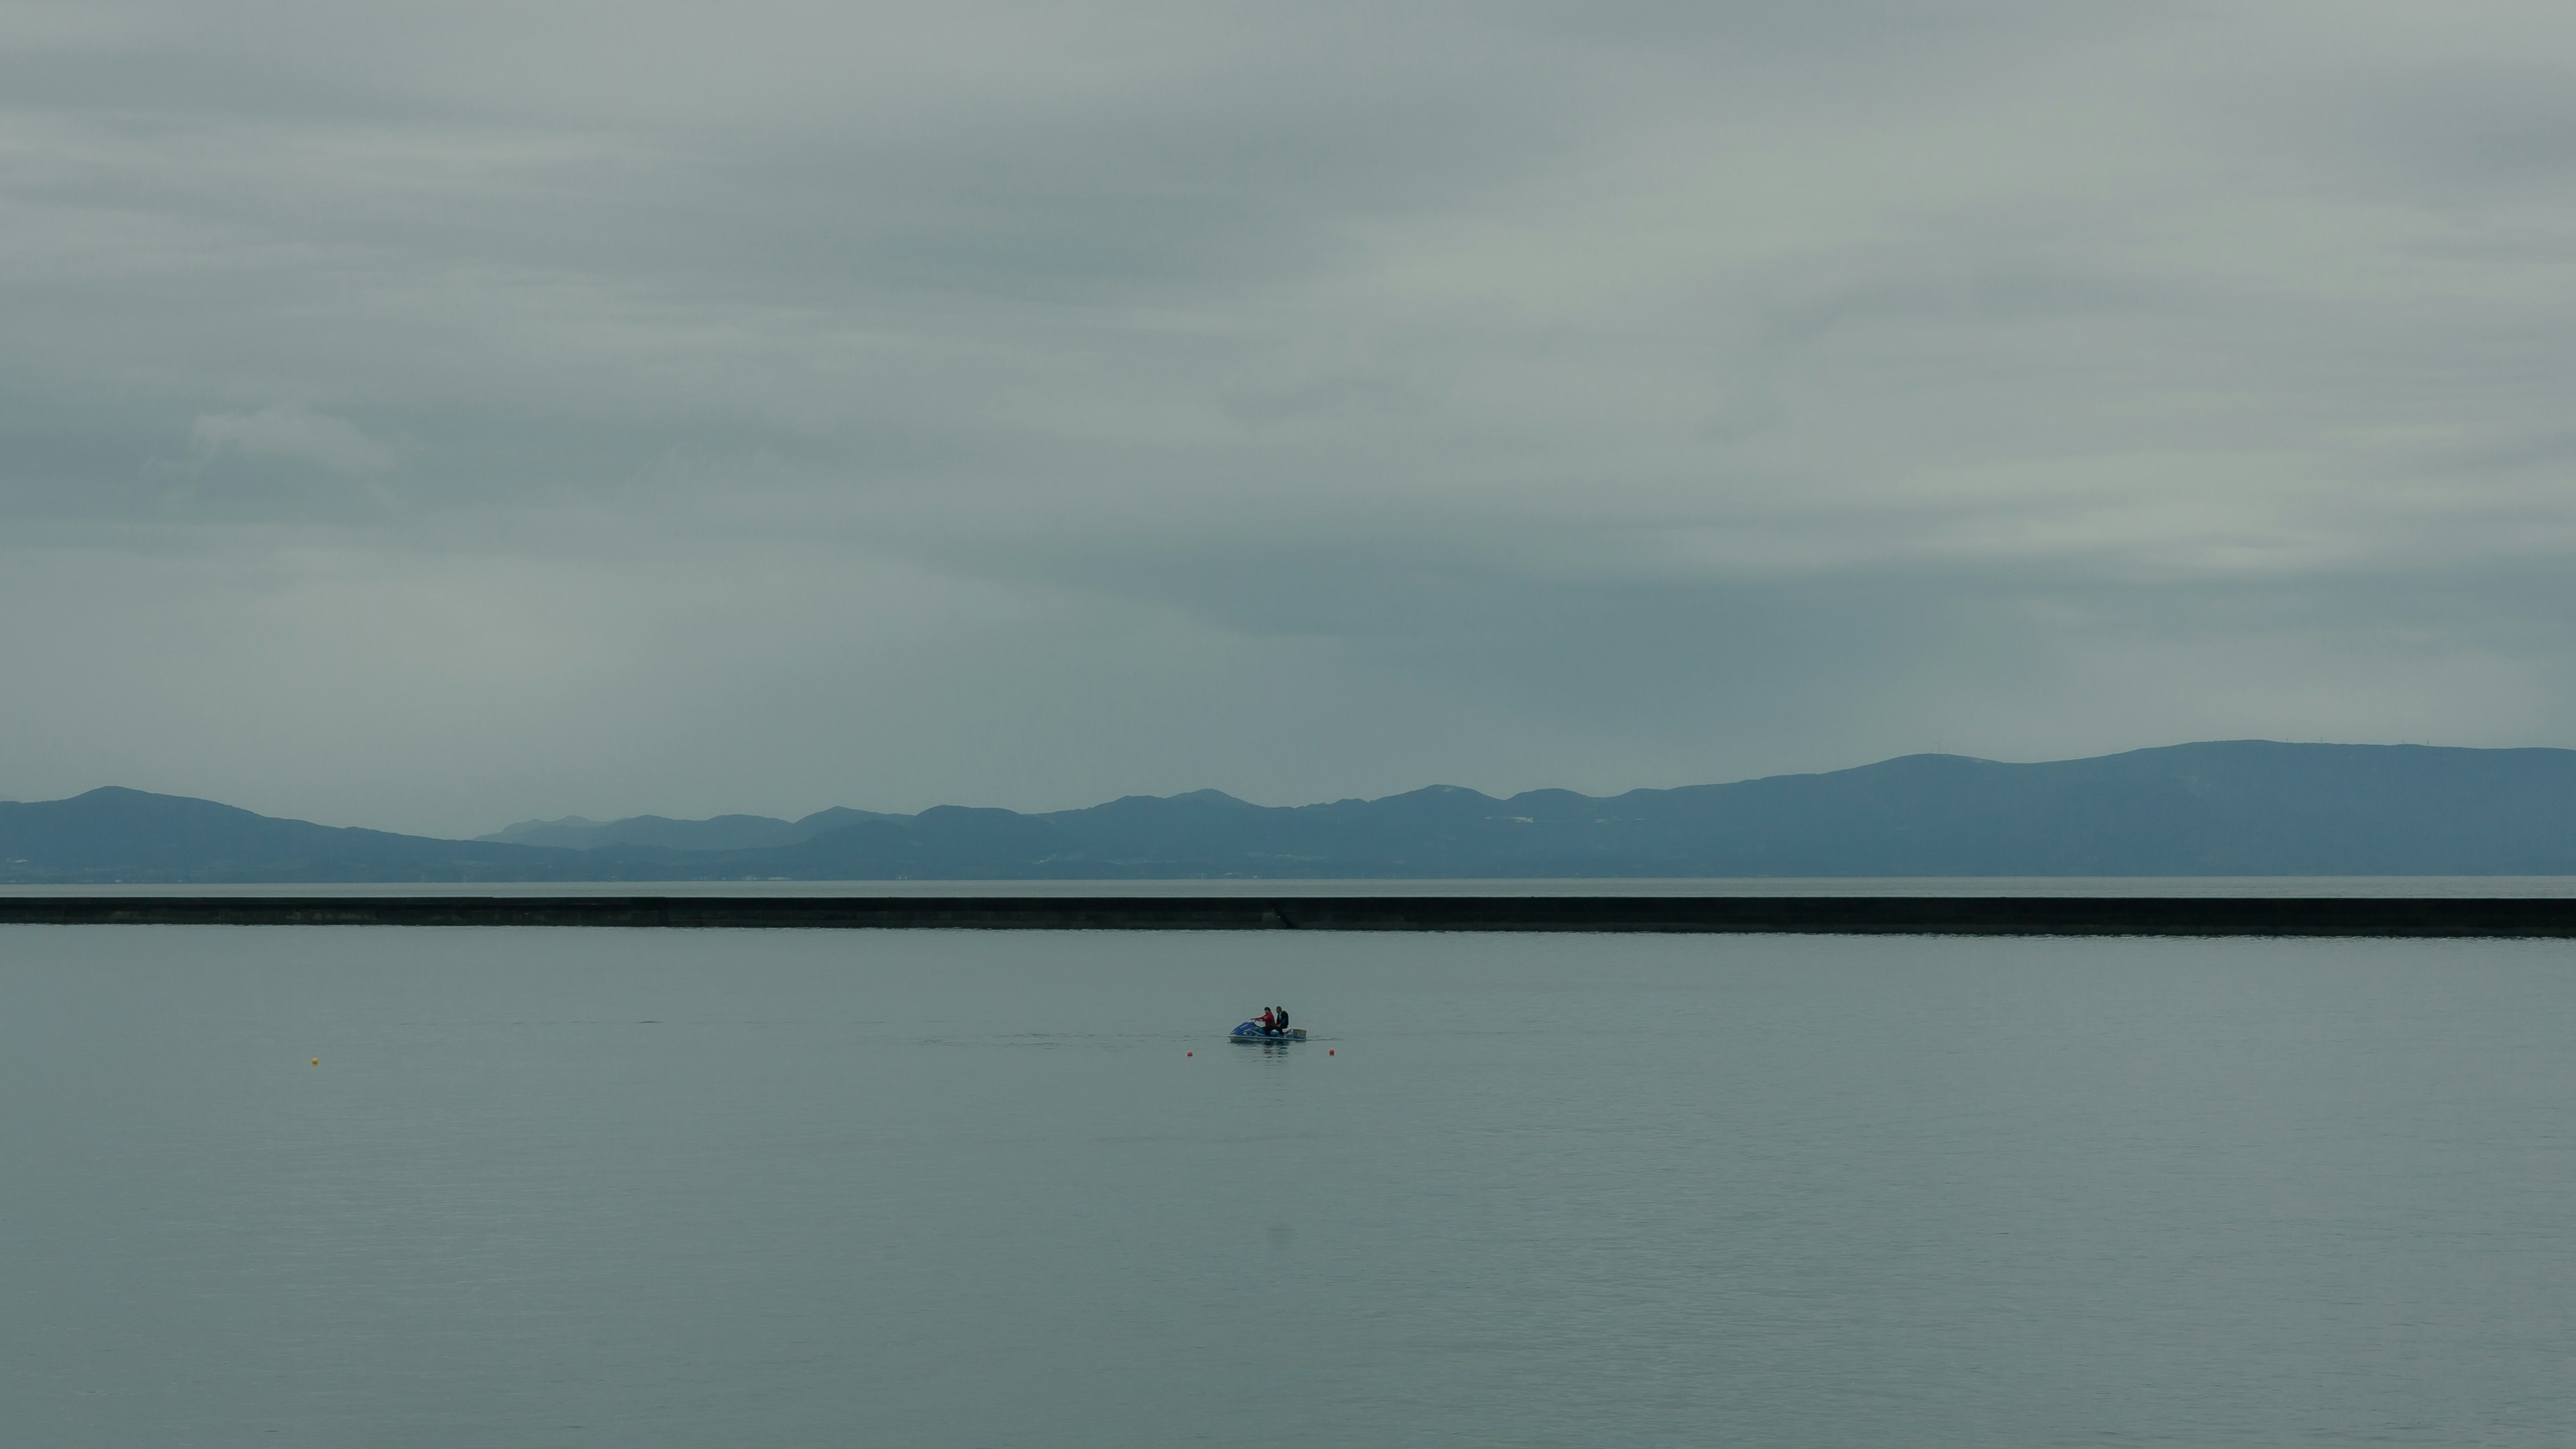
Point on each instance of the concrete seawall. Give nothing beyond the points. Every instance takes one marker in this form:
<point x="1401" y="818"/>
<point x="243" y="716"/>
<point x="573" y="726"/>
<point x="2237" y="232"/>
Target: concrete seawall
<point x="1818" y="915"/>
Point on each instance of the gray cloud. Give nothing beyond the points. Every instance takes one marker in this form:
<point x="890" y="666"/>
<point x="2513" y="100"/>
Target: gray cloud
<point x="662" y="409"/>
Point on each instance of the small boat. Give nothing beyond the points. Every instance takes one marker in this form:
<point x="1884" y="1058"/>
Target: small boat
<point x="1251" y="1031"/>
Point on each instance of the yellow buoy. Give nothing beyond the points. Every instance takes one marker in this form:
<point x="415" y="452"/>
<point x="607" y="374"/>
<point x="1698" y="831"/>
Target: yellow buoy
<point x="317" y="1061"/>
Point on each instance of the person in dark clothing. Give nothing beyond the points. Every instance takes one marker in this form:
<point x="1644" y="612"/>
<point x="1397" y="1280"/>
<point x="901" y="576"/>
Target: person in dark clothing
<point x="1283" y="1020"/>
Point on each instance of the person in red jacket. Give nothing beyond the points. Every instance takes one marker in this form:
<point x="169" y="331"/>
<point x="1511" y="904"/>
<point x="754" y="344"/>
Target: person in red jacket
<point x="1269" y="1020"/>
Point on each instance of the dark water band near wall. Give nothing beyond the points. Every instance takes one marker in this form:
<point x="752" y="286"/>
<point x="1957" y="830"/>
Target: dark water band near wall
<point x="1817" y="915"/>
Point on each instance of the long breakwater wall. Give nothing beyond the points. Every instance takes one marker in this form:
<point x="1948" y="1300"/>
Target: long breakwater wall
<point x="1816" y="915"/>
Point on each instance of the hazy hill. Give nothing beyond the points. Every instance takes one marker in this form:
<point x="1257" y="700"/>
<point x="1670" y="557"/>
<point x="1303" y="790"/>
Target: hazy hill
<point x="724" y="832"/>
<point x="111" y="835"/>
<point x="2234" y="808"/>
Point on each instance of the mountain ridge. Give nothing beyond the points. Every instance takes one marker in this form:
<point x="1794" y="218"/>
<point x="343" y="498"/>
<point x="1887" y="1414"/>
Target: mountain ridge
<point x="2237" y="807"/>
<point x="721" y="832"/>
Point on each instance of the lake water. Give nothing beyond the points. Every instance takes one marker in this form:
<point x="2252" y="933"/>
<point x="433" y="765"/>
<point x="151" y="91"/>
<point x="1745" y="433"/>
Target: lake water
<point x="803" y="1188"/>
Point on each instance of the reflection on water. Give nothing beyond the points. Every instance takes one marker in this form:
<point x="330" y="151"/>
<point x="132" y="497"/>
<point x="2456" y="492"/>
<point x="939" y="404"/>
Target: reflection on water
<point x="1265" y="1045"/>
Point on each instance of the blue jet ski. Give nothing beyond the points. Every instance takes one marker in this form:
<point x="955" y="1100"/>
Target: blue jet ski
<point x="1251" y="1031"/>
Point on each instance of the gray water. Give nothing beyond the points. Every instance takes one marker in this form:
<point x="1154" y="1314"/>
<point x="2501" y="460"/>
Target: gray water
<point x="639" y="1188"/>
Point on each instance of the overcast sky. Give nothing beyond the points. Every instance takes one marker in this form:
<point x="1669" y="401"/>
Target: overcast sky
<point x="435" y="416"/>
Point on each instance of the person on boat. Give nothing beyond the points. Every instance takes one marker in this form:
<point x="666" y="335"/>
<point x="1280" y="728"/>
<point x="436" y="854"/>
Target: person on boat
<point x="1282" y="1027"/>
<point x="1269" y="1021"/>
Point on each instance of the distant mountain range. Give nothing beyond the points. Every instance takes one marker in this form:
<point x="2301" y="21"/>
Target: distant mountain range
<point x="2247" y="807"/>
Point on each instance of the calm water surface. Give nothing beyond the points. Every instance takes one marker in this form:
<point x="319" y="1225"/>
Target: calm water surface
<point x="639" y="1188"/>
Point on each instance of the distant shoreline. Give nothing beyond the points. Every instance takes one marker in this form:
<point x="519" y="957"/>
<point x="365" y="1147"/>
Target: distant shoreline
<point x="2327" y="916"/>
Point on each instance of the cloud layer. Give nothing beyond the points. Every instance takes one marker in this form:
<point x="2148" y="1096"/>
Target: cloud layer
<point x="434" y="416"/>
